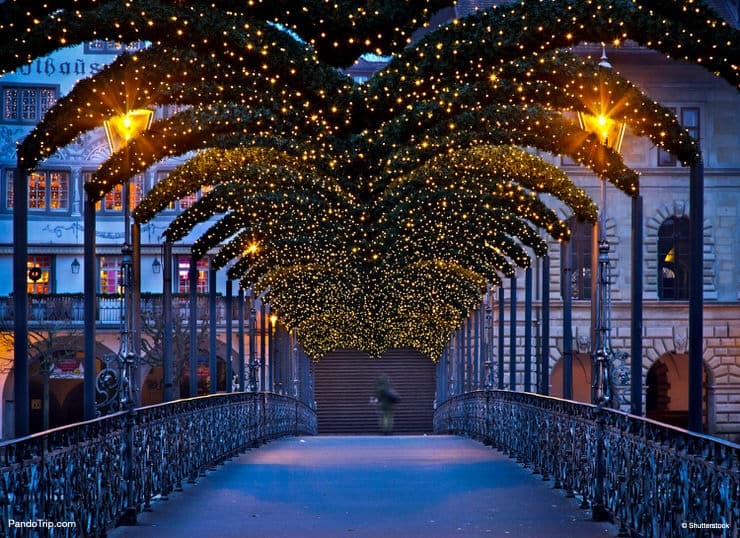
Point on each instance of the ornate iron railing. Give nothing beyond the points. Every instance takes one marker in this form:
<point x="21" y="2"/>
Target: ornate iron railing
<point x="657" y="480"/>
<point x="99" y="473"/>
<point x="67" y="310"/>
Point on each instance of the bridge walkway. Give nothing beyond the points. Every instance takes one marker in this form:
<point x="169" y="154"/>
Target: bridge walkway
<point x="368" y="486"/>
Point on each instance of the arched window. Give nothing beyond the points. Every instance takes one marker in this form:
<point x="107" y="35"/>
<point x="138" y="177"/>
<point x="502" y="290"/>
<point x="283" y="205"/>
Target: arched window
<point x="673" y="258"/>
<point x="580" y="246"/>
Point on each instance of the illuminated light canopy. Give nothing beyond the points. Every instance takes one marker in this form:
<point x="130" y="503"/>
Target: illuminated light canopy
<point x="382" y="210"/>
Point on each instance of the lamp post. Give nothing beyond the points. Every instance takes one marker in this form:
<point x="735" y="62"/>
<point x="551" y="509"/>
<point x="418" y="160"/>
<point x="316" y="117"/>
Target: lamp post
<point x="253" y="364"/>
<point x="610" y="133"/>
<point x="117" y="385"/>
<point x="272" y="352"/>
<point x="489" y="341"/>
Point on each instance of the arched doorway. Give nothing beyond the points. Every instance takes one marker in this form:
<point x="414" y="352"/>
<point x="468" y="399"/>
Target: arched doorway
<point x="581" y="378"/>
<point x="667" y="390"/>
<point x="60" y="370"/>
<point x="8" y="407"/>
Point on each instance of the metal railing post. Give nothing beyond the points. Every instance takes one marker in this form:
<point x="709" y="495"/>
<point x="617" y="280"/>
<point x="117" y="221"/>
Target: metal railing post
<point x="229" y="335"/>
<point x="696" y="294"/>
<point x="193" y="325"/>
<point x="90" y="303"/>
<point x="636" y="299"/>
<point x="20" y="296"/>
<point x="212" y="341"/>
<point x="545" y="323"/>
<point x="501" y="337"/>
<point x="128" y="518"/>
<point x="528" y="330"/>
<point x="567" y="293"/>
<point x="167" y="322"/>
<point x="512" y="335"/>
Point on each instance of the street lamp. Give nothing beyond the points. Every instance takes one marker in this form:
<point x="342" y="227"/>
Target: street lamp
<point x="116" y="386"/>
<point x="488" y="344"/>
<point x="611" y="134"/>
<point x="253" y="364"/>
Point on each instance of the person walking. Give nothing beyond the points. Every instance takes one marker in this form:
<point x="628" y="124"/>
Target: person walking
<point x="387" y="398"/>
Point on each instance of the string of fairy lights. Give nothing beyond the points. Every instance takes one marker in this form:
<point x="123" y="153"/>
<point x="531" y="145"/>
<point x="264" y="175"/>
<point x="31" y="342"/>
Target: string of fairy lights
<point x="375" y="215"/>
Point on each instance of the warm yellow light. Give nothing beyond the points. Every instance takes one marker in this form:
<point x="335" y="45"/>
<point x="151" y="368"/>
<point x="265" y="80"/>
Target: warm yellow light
<point x="252" y="248"/>
<point x="273" y="319"/>
<point x="670" y="257"/>
<point x="611" y="132"/>
<point x="119" y="130"/>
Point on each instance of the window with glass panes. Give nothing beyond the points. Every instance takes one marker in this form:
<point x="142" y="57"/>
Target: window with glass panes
<point x="47" y="190"/>
<point x="110" y="274"/>
<point x="42" y="262"/>
<point x="161" y="175"/>
<point x="581" y="246"/>
<point x="186" y="201"/>
<point x="673" y="259"/>
<point x="183" y="275"/>
<point x="689" y="118"/>
<point x="27" y="104"/>
<point x="112" y="202"/>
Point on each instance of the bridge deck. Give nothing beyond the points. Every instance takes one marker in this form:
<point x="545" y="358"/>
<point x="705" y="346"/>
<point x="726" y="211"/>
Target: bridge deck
<point x="430" y="486"/>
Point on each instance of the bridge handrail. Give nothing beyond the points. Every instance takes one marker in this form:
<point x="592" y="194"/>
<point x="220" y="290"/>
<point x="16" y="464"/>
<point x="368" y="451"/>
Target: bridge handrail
<point x="103" y="471"/>
<point x="658" y="480"/>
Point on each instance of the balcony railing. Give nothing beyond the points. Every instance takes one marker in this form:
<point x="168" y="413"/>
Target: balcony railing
<point x="68" y="309"/>
<point x="655" y="480"/>
<point x="102" y="472"/>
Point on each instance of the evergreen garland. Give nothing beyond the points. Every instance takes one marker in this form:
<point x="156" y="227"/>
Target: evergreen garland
<point x="370" y="215"/>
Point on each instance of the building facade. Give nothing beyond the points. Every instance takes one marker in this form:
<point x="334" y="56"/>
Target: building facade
<point x="55" y="259"/>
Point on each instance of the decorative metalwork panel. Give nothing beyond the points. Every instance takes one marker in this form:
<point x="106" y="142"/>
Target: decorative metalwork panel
<point x="652" y="479"/>
<point x="96" y="473"/>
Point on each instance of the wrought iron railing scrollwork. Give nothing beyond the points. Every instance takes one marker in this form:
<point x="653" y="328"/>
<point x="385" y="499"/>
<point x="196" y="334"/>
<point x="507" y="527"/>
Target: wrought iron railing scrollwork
<point x="80" y="473"/>
<point x="658" y="481"/>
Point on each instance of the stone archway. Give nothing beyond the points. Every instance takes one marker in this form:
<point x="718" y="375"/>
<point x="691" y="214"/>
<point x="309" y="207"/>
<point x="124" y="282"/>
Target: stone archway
<point x="8" y="407"/>
<point x="581" y="378"/>
<point x="667" y="389"/>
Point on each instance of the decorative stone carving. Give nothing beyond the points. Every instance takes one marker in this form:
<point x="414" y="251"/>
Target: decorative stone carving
<point x="680" y="340"/>
<point x="8" y="139"/>
<point x="583" y="341"/>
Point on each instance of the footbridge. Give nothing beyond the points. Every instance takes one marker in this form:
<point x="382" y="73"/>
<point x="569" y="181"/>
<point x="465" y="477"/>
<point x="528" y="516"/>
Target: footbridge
<point x="498" y="463"/>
